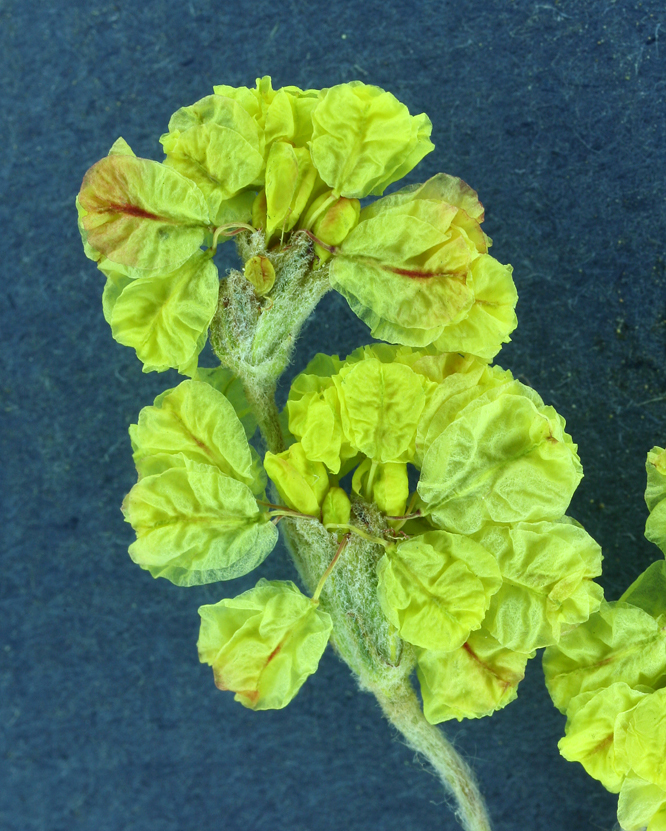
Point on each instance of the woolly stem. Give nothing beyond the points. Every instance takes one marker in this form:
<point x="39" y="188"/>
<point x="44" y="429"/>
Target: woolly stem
<point x="402" y="708"/>
<point x="262" y="401"/>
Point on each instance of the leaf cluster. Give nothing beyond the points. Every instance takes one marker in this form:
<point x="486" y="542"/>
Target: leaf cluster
<point x="609" y="677"/>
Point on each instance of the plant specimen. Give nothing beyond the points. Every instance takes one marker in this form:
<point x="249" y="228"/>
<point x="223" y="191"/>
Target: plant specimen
<point x="421" y="490"/>
<point x="609" y="677"/>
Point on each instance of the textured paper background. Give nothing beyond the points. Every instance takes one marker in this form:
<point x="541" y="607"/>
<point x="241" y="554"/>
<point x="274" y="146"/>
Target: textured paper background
<point x="554" y="112"/>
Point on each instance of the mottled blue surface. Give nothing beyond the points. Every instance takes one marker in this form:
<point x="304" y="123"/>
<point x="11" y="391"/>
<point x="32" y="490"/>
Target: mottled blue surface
<point x="555" y="113"/>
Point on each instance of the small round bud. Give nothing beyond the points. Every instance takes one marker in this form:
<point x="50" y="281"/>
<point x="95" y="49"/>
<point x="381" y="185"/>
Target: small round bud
<point x="260" y="272"/>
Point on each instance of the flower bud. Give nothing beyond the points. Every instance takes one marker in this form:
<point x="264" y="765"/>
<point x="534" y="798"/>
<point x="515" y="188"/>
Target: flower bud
<point x="334" y="225"/>
<point x="336" y="509"/>
<point x="260" y="272"/>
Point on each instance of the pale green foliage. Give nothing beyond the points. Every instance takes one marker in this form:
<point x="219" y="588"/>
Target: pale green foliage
<point x="471" y="682"/>
<point x="595" y="719"/>
<point x="195" y="525"/>
<point x="461" y="576"/>
<point x="198" y="421"/>
<point x="301" y="482"/>
<point x="655" y="497"/>
<point x="620" y="641"/>
<point x="490" y="560"/>
<point x="194" y="508"/>
<point x="547" y="572"/>
<point x="505" y="461"/>
<point x="140" y="213"/>
<point x="364" y="139"/>
<point x="608" y="675"/>
<point x="413" y="265"/>
<point x="165" y="317"/>
<point x="264" y="643"/>
<point x="219" y="147"/>
<point x="436" y="588"/>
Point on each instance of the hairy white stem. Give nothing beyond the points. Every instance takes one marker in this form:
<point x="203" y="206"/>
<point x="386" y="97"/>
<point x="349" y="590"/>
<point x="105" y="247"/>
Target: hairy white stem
<point x="402" y="708"/>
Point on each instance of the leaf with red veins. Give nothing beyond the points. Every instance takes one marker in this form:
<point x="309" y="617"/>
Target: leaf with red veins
<point x="140" y="213"/>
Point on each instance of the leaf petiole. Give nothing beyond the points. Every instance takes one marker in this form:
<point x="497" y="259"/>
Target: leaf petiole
<point x="331" y="566"/>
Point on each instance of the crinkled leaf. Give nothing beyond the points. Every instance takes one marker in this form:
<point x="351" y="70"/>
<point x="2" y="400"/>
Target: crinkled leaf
<point x="290" y="177"/>
<point x="471" y="682"/>
<point x="547" y="570"/>
<point x="492" y="318"/>
<point x="195" y="525"/>
<point x="619" y="641"/>
<point x="117" y="281"/>
<point x="648" y="591"/>
<point x="435" y="589"/>
<point x="505" y="462"/>
<point x="141" y="213"/>
<point x="166" y="318"/>
<point x="644" y="738"/>
<point x="404" y="272"/>
<point x="641" y="804"/>
<point x="300" y="482"/>
<point x="264" y="643"/>
<point x="217" y="145"/>
<point x="591" y="733"/>
<point x="198" y="421"/>
<point x="289" y="116"/>
<point x="380" y="405"/>
<point x="315" y="419"/>
<point x="224" y="381"/>
<point x="655" y="497"/>
<point x="471" y="381"/>
<point x="364" y="139"/>
<point x="439" y="188"/>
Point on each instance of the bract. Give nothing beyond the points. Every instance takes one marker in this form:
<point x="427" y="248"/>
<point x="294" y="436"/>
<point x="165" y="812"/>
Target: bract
<point x="198" y="421"/>
<point x="547" y="570"/>
<point x="364" y="139"/>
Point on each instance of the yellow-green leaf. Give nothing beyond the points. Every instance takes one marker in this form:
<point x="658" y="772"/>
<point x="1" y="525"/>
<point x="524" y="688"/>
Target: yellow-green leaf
<point x="195" y="525"/>
<point x="264" y="643"/>
<point x="364" y="139"/>
<point x="301" y="482"/>
<point x="547" y="570"/>
<point x="141" y="213"/>
<point x="436" y="588"/>
<point x="619" y="641"/>
<point x="655" y="497"/>
<point x="471" y="682"/>
<point x="165" y="318"/>
<point x="196" y="420"/>
<point x="504" y="461"/>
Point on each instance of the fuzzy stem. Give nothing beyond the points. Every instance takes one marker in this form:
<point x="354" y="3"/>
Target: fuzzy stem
<point x="402" y="708"/>
<point x="262" y="401"/>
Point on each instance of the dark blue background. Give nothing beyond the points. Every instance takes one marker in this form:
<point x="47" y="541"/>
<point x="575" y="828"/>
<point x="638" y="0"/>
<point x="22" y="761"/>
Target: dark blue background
<point x="554" y="112"/>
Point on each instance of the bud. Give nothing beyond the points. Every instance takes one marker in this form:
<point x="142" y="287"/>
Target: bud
<point x="301" y="483"/>
<point x="260" y="272"/>
<point x="336" y="509"/>
<point x="335" y="224"/>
